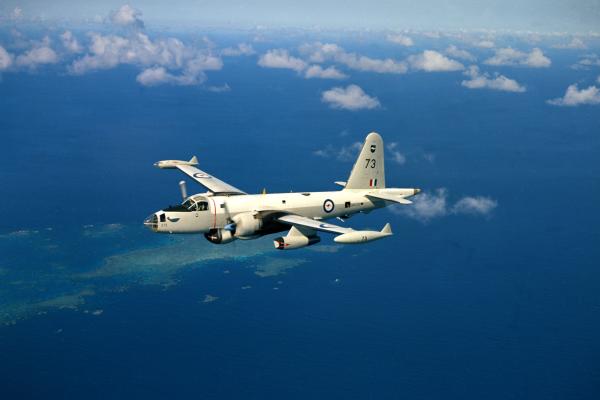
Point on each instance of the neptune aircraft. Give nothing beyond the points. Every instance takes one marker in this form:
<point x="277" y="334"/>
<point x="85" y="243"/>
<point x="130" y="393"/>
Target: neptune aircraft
<point x="225" y="213"/>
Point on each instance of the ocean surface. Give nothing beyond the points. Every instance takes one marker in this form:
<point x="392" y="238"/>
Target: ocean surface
<point x="501" y="306"/>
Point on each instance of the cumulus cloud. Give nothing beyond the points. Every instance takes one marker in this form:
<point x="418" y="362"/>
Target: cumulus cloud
<point x="432" y="61"/>
<point x="70" y="42"/>
<point x="474" y="205"/>
<point x="574" y="97"/>
<point x="427" y="206"/>
<point x="455" y="52"/>
<point x="242" y="49"/>
<point x="155" y="76"/>
<point x="510" y="56"/>
<point x="6" y="59"/>
<point x="219" y="89"/>
<point x="575" y="43"/>
<point x="16" y="14"/>
<point x="281" y="58"/>
<point x="351" y="98"/>
<point x="316" y="71"/>
<point x="323" y="52"/>
<point x="484" y="81"/>
<point x="159" y="58"/>
<point x="485" y="44"/>
<point x="587" y="61"/>
<point x="344" y="153"/>
<point x="41" y="53"/>
<point x="400" y="39"/>
<point x="396" y="156"/>
<point x="127" y="16"/>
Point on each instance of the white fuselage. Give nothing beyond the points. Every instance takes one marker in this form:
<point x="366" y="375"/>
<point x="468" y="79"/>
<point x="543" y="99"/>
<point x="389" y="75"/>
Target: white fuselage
<point x="202" y="213"/>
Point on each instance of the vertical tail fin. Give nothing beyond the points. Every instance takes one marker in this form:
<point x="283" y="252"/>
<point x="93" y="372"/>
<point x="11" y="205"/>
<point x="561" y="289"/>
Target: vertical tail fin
<point x="368" y="171"/>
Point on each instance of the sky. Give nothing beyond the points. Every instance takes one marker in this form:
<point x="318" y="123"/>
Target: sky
<point x="535" y="15"/>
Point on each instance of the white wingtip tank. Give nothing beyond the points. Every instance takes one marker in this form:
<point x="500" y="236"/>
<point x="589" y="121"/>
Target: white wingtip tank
<point x="368" y="171"/>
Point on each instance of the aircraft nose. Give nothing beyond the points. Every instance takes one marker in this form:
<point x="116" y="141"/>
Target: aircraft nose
<point x="151" y="222"/>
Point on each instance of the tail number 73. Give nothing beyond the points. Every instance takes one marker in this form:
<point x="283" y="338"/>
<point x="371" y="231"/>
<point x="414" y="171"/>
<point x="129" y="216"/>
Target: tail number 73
<point x="370" y="162"/>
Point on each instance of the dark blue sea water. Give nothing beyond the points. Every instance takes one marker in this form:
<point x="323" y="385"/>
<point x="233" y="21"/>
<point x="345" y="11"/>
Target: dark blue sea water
<point x="504" y="306"/>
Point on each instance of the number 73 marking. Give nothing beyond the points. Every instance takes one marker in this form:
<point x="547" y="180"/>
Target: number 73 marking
<point x="370" y="161"/>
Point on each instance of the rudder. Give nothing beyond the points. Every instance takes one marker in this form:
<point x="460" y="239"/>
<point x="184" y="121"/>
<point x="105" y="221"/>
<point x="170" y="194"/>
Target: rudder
<point x="368" y="171"/>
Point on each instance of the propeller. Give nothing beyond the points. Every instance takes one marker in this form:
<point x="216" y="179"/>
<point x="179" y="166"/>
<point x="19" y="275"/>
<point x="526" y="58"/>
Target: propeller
<point x="183" y="188"/>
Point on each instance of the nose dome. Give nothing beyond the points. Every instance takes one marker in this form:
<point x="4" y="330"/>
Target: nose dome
<point x="152" y="222"/>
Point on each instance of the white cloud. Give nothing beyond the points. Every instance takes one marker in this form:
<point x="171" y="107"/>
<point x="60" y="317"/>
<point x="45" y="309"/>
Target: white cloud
<point x="159" y="75"/>
<point x="241" y="49"/>
<point x="16" y="14"/>
<point x="156" y="57"/>
<point x="344" y="153"/>
<point x="432" y="61"/>
<point x="6" y="59"/>
<point x="397" y="157"/>
<point x="485" y="44"/>
<point x="70" y="42"/>
<point x="316" y="71"/>
<point x="350" y="98"/>
<point x="427" y="206"/>
<point x="587" y="61"/>
<point x="574" y="97"/>
<point x="510" y="56"/>
<point x="154" y="76"/>
<point x="455" y="52"/>
<point x="127" y="16"/>
<point x="319" y="53"/>
<point x="280" y="58"/>
<point x="575" y="43"/>
<point x="537" y="59"/>
<point x="41" y="53"/>
<point x="219" y="89"/>
<point x="400" y="39"/>
<point x="484" y="81"/>
<point x="474" y="205"/>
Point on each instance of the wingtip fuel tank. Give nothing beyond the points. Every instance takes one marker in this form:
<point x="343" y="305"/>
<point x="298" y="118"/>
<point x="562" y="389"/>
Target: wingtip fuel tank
<point x="356" y="237"/>
<point x="169" y="164"/>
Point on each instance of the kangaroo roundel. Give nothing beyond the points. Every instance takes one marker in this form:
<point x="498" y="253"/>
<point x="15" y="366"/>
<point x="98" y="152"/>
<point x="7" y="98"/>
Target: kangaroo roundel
<point x="328" y="206"/>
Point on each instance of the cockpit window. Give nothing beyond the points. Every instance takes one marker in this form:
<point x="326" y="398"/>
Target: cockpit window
<point x="202" y="206"/>
<point x="189" y="205"/>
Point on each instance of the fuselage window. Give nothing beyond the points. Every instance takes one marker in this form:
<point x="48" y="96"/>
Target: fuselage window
<point x="162" y="218"/>
<point x="347" y="204"/>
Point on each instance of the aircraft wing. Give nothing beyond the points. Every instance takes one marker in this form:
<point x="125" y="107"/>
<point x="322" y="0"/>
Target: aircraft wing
<point x="213" y="184"/>
<point x="308" y="226"/>
<point x="309" y="223"/>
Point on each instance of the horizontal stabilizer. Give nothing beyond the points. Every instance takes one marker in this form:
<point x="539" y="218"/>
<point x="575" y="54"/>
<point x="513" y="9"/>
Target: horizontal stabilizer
<point x="340" y="183"/>
<point x="389" y="197"/>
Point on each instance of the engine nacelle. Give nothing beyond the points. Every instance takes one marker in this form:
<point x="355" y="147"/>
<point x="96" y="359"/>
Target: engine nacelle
<point x="219" y="236"/>
<point x="247" y="224"/>
<point x="290" y="242"/>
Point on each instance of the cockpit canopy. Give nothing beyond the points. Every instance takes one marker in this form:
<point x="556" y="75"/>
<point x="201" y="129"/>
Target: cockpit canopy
<point x="195" y="203"/>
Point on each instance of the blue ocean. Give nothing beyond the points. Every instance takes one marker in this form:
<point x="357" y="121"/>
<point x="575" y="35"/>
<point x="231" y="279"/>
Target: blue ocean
<point x="504" y="305"/>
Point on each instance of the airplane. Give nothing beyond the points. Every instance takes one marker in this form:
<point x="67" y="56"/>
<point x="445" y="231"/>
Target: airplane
<point x="225" y="213"/>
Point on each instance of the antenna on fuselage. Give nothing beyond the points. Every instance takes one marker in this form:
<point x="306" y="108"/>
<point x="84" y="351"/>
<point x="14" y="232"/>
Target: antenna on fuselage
<point x="183" y="188"/>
